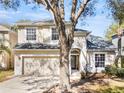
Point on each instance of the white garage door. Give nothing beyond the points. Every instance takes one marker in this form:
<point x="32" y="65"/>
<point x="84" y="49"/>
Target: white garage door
<point x="41" y="66"/>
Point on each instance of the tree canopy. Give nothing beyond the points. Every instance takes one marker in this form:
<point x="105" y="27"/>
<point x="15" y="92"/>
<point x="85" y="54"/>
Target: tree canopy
<point x="117" y="12"/>
<point x="117" y="9"/>
<point x="112" y="30"/>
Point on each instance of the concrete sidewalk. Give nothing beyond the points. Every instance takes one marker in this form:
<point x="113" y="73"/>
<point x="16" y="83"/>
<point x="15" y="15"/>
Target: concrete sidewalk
<point x="27" y="84"/>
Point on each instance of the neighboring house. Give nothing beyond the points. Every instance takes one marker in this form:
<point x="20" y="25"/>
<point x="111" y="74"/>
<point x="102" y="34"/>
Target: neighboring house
<point x="100" y="53"/>
<point x="119" y="44"/>
<point x="37" y="50"/>
<point x="8" y="40"/>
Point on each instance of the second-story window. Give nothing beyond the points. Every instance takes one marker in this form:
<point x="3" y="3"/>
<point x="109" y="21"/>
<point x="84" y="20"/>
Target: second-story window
<point x="31" y="34"/>
<point x="55" y="34"/>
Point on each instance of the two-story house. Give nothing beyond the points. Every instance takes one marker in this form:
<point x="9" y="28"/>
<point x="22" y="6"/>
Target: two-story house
<point x="8" y="40"/>
<point x="37" y="50"/>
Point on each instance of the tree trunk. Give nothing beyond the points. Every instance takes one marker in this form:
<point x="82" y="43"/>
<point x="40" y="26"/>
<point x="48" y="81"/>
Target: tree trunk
<point x="64" y="69"/>
<point x="64" y="60"/>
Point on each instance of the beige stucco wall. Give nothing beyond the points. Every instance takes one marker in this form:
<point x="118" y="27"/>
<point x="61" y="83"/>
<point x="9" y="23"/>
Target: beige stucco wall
<point x="43" y="35"/>
<point x="80" y="43"/>
<point x="115" y="42"/>
<point x="13" y="38"/>
<point x="122" y="45"/>
<point x="21" y="35"/>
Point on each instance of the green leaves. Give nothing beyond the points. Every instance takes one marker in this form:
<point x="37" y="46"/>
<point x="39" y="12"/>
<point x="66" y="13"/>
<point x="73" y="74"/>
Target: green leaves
<point x="112" y="30"/>
<point x="10" y="4"/>
<point x="117" y="9"/>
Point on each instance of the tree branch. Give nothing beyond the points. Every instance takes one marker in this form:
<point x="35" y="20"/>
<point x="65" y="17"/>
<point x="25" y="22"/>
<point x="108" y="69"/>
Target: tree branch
<point x="48" y="5"/>
<point x="40" y="2"/>
<point x="81" y="9"/>
<point x="73" y="11"/>
<point x="62" y="11"/>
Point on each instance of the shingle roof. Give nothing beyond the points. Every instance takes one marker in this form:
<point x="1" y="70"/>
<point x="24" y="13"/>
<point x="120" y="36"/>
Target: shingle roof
<point x="35" y="46"/>
<point x="95" y="42"/>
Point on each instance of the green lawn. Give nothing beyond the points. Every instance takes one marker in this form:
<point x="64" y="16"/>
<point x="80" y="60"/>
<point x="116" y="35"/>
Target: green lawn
<point x="112" y="90"/>
<point x="5" y="74"/>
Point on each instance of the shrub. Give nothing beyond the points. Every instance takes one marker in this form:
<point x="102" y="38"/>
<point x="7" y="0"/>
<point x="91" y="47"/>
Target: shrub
<point x="120" y="72"/>
<point x="111" y="70"/>
<point x="114" y="71"/>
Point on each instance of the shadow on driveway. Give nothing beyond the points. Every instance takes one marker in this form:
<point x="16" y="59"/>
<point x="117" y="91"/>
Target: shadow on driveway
<point x="27" y="84"/>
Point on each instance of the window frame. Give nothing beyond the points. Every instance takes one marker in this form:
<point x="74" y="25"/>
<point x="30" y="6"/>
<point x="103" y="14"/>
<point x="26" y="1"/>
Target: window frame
<point x="100" y="60"/>
<point x="35" y="38"/>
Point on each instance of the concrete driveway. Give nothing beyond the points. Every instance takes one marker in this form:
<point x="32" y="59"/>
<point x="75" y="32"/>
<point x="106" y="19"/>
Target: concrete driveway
<point x="27" y="84"/>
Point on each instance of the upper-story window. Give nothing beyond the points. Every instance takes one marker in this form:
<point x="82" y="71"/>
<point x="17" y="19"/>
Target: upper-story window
<point x="31" y="34"/>
<point x="55" y="34"/>
<point x="99" y="60"/>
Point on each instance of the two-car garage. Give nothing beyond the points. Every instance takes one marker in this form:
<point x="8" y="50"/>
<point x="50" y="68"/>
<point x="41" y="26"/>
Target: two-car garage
<point x="40" y="62"/>
<point x="40" y="65"/>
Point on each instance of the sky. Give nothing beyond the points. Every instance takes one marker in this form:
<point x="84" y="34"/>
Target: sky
<point x="97" y="24"/>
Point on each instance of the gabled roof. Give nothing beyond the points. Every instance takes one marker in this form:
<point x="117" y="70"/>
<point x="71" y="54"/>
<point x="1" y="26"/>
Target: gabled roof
<point x="98" y="43"/>
<point x="35" y="46"/>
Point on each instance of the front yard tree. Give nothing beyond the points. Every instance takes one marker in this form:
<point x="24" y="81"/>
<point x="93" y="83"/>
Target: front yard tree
<point x="117" y="10"/>
<point x="57" y="8"/>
